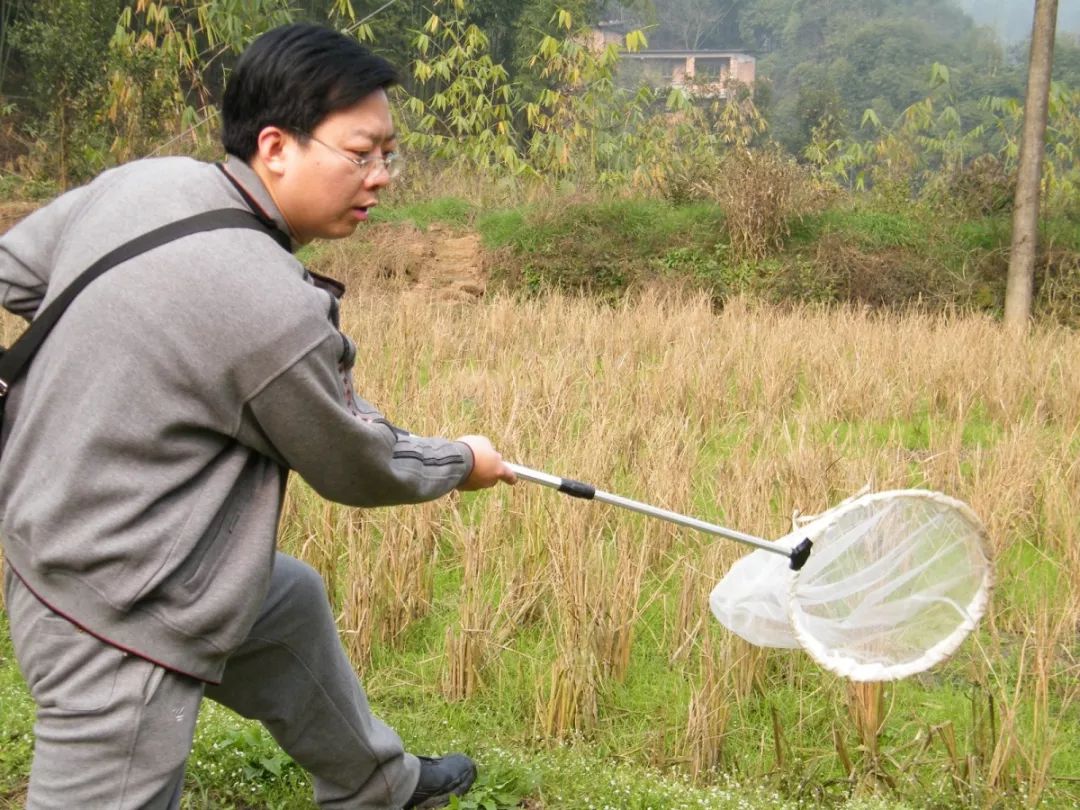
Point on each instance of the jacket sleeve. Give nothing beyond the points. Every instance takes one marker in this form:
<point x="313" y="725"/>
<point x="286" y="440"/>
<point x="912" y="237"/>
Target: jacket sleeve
<point x="310" y="418"/>
<point x="26" y="254"/>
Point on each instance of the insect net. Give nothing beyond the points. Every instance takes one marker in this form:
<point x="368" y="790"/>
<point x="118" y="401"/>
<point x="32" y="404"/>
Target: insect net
<point x="895" y="582"/>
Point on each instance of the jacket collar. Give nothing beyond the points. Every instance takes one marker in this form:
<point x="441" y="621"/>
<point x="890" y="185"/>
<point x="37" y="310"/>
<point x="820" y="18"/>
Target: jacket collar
<point x="255" y="194"/>
<point x="250" y="187"/>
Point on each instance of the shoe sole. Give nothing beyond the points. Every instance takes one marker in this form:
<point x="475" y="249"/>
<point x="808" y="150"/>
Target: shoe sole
<point x="443" y="799"/>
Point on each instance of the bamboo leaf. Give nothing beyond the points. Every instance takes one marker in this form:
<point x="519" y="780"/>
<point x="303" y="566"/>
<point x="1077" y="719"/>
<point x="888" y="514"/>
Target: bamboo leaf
<point x="635" y="41"/>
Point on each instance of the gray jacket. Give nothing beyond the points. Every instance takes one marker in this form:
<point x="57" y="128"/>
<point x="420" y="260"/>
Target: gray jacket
<point x="146" y="450"/>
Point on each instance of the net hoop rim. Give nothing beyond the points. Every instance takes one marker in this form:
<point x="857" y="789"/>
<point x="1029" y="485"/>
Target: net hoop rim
<point x="847" y="667"/>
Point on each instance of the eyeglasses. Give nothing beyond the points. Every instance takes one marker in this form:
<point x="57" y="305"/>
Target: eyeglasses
<point x="392" y="162"/>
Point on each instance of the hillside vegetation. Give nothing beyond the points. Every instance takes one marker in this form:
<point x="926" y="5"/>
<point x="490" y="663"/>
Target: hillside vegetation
<point x="857" y="255"/>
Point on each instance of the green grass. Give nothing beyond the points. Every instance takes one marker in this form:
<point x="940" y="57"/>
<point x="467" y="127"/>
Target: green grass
<point x="988" y="233"/>
<point x="995" y="233"/>
<point x="865" y="227"/>
<point x="602" y="247"/>
<point x="235" y="764"/>
<point x="639" y="227"/>
<point x="631" y="760"/>
<point x="501" y="228"/>
<point x="445" y="210"/>
<point x="915" y="432"/>
<point x="16" y="720"/>
<point x="1036" y="579"/>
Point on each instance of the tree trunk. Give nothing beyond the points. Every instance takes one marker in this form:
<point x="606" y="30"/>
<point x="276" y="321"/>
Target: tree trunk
<point x="1018" y="293"/>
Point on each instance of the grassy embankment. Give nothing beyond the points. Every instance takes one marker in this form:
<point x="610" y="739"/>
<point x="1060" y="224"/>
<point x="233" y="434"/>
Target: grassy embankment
<point x="858" y="254"/>
<point x="568" y="645"/>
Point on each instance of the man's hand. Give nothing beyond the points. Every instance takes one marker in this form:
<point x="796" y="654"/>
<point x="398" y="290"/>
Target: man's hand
<point x="488" y="467"/>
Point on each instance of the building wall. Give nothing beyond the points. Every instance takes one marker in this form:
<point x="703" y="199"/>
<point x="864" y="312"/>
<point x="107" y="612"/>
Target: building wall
<point x="719" y="69"/>
<point x="682" y="66"/>
<point x="743" y="69"/>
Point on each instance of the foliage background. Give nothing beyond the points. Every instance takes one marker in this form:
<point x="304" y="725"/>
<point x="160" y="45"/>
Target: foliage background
<point x="136" y="74"/>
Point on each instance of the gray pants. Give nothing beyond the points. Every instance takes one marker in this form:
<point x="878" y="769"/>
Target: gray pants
<point x="114" y="730"/>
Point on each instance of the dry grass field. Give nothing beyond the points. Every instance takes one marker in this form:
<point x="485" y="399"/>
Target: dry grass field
<point x="743" y="417"/>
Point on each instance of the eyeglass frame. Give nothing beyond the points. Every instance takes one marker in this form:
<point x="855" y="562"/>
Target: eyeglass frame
<point x="392" y="163"/>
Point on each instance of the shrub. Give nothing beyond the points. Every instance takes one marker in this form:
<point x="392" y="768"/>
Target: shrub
<point x="1057" y="280"/>
<point x="983" y="187"/>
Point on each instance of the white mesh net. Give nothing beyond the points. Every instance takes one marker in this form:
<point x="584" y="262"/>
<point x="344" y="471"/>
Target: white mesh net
<point x="895" y="581"/>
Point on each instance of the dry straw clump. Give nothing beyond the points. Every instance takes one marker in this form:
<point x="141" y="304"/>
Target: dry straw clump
<point x="760" y="193"/>
<point x="501" y="591"/>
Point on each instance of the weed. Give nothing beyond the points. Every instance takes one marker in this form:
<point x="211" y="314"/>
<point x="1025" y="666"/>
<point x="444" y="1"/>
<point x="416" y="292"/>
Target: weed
<point x="488" y="793"/>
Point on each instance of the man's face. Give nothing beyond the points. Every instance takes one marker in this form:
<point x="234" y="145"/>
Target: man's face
<point x="320" y="190"/>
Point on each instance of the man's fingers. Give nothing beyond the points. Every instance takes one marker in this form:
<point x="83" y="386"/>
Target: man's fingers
<point x="488" y="465"/>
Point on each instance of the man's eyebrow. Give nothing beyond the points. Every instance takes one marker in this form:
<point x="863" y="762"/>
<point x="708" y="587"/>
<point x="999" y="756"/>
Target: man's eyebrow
<point x="373" y="137"/>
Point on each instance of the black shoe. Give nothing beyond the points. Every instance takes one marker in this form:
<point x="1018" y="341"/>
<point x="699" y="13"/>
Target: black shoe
<point x="441" y="778"/>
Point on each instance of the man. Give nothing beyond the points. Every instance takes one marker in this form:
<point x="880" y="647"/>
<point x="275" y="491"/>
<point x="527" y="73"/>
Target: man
<point x="146" y="452"/>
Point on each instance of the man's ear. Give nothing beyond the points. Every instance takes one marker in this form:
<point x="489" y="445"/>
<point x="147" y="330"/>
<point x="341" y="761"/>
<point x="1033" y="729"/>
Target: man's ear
<point x="273" y="146"/>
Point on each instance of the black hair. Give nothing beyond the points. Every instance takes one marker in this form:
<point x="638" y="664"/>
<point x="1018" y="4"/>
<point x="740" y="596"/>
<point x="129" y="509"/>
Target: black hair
<point x="293" y="77"/>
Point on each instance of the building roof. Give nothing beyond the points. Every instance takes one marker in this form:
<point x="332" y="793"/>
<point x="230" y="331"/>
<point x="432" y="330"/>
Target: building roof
<point x="685" y="54"/>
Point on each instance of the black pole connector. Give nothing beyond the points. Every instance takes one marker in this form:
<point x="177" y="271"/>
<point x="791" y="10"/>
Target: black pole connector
<point x="800" y="554"/>
<point x="577" y="489"/>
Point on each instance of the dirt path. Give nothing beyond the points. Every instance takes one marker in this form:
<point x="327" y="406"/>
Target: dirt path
<point x="438" y="260"/>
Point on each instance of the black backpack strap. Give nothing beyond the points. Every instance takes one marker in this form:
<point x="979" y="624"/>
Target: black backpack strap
<point x="15" y="360"/>
<point x="253" y="204"/>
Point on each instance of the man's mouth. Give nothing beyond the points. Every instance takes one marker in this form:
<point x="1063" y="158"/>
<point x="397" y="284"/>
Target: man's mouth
<point x="360" y="212"/>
